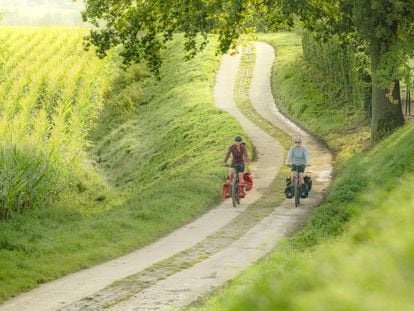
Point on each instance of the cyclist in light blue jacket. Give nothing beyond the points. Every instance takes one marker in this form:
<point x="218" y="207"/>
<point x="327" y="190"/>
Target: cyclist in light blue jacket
<point x="298" y="158"/>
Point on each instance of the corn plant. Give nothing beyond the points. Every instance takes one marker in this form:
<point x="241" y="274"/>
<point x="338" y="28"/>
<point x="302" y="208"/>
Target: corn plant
<point x="51" y="92"/>
<point x="28" y="179"/>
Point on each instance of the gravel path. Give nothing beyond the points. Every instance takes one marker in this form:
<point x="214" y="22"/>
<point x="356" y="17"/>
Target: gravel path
<point x="190" y="262"/>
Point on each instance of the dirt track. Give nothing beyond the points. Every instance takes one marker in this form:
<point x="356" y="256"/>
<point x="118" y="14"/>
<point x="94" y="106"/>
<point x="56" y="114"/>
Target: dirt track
<point x="176" y="270"/>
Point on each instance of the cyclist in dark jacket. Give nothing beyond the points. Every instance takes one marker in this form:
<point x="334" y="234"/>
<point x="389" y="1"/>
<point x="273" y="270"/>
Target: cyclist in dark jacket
<point x="240" y="160"/>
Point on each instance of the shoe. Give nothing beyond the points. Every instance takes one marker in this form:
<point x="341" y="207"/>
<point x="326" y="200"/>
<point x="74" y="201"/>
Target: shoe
<point x="289" y="195"/>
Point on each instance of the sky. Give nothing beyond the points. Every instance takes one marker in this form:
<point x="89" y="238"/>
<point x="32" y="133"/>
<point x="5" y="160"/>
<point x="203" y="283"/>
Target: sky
<point x="41" y="12"/>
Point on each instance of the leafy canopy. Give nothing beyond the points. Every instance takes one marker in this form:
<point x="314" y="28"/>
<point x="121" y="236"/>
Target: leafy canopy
<point x="143" y="27"/>
<point x="385" y="27"/>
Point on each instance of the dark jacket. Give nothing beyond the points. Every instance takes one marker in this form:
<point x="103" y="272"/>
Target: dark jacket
<point x="239" y="154"/>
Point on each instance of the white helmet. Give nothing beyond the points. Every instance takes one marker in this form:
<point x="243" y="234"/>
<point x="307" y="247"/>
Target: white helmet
<point x="298" y="138"/>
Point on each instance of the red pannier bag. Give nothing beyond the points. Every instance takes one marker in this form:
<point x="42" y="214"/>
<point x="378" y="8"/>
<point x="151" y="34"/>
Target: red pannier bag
<point x="226" y="188"/>
<point x="248" y="180"/>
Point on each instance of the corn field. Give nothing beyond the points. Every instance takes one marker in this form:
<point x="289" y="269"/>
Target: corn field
<point x="51" y="92"/>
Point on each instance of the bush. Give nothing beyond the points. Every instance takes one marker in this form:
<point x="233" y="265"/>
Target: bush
<point x="344" y="69"/>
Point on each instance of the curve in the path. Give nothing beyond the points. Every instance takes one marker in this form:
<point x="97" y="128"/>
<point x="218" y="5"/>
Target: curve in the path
<point x="263" y="102"/>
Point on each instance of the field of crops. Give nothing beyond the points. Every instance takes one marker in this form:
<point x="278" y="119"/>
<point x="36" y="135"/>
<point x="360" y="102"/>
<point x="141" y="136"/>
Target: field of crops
<point x="51" y="90"/>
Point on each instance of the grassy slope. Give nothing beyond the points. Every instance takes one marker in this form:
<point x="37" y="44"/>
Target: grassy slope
<point x="356" y="252"/>
<point x="176" y="137"/>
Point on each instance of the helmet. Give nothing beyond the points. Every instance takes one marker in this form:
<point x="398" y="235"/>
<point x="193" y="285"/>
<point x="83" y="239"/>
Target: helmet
<point x="238" y="138"/>
<point x="298" y="138"/>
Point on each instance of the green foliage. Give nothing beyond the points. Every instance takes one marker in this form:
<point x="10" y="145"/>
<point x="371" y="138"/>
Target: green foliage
<point x="28" y="179"/>
<point x="386" y="29"/>
<point x="50" y="93"/>
<point x="345" y="69"/>
<point x="381" y="26"/>
<point x="137" y="26"/>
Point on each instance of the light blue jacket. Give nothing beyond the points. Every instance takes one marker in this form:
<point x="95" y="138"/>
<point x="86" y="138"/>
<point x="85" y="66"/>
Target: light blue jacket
<point x="298" y="156"/>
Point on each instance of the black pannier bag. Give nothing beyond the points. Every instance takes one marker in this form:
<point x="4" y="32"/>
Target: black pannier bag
<point x="308" y="183"/>
<point x="289" y="192"/>
<point x="306" y="187"/>
<point x="304" y="191"/>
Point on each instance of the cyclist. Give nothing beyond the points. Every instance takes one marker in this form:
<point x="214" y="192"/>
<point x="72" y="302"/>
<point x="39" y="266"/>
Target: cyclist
<point x="298" y="157"/>
<point x="239" y="161"/>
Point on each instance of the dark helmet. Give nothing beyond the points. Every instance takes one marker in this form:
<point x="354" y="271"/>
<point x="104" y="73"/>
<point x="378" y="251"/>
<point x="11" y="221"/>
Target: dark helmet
<point x="238" y="138"/>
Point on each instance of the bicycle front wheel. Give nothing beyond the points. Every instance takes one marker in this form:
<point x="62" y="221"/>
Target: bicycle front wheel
<point x="297" y="194"/>
<point x="234" y="192"/>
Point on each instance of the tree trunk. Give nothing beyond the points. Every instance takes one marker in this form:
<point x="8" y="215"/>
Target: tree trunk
<point x="386" y="109"/>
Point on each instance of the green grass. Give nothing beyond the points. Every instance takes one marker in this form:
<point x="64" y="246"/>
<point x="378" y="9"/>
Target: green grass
<point x="356" y="252"/>
<point x="138" y="182"/>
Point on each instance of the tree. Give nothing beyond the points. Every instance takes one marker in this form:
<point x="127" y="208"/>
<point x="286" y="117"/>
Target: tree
<point x="386" y="27"/>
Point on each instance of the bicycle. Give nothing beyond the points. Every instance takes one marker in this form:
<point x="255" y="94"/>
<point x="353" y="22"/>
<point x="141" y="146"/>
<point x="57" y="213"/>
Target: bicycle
<point x="296" y="186"/>
<point x="234" y="189"/>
